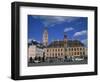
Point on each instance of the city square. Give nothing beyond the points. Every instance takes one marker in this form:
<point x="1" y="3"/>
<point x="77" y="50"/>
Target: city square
<point x="62" y="51"/>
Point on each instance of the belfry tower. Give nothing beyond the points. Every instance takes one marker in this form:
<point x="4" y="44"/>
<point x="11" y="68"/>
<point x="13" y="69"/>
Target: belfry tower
<point x="45" y="37"/>
<point x="65" y="40"/>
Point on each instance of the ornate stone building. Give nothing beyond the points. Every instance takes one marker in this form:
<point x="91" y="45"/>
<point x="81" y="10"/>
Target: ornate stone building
<point x="64" y="48"/>
<point x="56" y="49"/>
<point x="75" y="49"/>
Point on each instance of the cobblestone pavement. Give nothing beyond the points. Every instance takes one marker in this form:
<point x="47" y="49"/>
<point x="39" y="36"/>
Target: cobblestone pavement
<point x="58" y="63"/>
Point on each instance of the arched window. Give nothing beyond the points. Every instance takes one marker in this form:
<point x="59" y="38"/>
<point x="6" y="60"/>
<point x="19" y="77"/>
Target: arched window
<point x="74" y="49"/>
<point x="75" y="53"/>
<point x="47" y="50"/>
<point x="80" y="53"/>
<point x="56" y="55"/>
<point x="83" y="53"/>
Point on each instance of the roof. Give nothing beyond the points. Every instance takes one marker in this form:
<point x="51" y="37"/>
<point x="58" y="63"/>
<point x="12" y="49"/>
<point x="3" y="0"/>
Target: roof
<point x="75" y="43"/>
<point x="56" y="44"/>
<point x="70" y="43"/>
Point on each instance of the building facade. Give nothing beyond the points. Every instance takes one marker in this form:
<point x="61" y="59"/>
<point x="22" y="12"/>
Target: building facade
<point x="35" y="50"/>
<point x="60" y="49"/>
<point x="65" y="48"/>
<point x="55" y="52"/>
<point x="76" y="51"/>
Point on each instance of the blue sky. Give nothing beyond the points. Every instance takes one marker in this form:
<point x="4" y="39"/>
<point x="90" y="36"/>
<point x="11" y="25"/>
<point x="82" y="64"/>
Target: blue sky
<point x="74" y="27"/>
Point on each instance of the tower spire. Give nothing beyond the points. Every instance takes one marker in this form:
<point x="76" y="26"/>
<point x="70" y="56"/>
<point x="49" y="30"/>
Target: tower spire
<point x="65" y="39"/>
<point x="65" y="36"/>
<point x="45" y="36"/>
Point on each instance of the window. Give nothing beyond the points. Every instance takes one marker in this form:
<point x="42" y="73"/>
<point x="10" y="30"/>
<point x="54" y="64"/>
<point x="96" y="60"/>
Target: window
<point x="47" y="50"/>
<point x="77" y="53"/>
<point x="83" y="53"/>
<point x="53" y="55"/>
<point x="75" y="49"/>
<point x="56" y="55"/>
<point x="80" y="53"/>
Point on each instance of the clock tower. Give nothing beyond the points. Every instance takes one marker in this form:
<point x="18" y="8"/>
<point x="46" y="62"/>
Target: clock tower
<point x="45" y="37"/>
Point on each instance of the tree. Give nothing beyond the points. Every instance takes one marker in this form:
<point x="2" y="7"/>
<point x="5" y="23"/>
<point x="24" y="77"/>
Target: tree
<point x="31" y="60"/>
<point x="65" y="57"/>
<point x="35" y="58"/>
<point x="43" y="58"/>
<point x="39" y="58"/>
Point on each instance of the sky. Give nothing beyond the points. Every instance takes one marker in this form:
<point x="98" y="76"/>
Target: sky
<point x="74" y="27"/>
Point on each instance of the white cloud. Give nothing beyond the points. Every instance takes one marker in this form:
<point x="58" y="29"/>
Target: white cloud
<point x="83" y="32"/>
<point x="68" y="29"/>
<point x="84" y="41"/>
<point x="29" y="40"/>
<point x="53" y="20"/>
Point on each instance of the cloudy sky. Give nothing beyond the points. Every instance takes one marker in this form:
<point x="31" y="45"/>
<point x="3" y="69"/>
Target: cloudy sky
<point x="74" y="27"/>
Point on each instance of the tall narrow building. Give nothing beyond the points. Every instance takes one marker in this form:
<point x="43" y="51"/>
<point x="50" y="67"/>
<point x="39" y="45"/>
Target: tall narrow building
<point x="65" y="40"/>
<point x="45" y="37"/>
